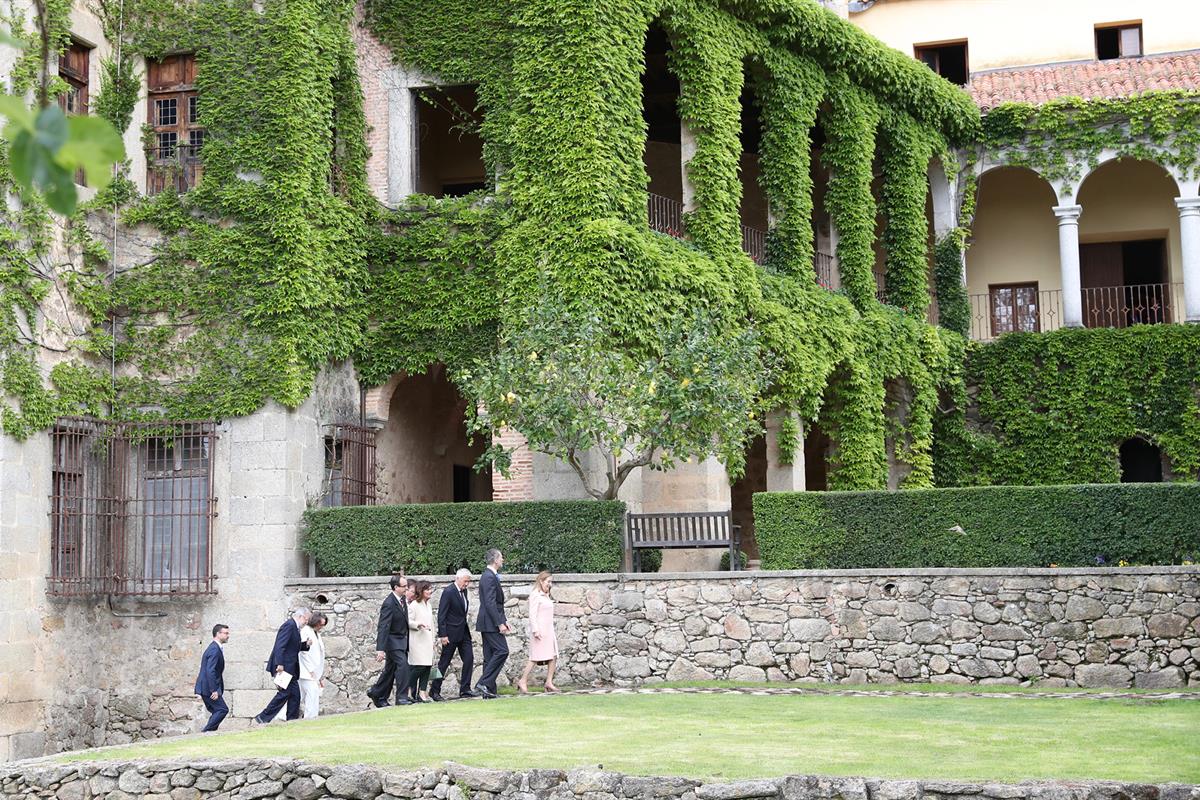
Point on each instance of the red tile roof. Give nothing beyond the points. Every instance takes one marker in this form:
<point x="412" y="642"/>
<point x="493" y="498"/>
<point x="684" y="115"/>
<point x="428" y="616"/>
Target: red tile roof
<point x="1090" y="80"/>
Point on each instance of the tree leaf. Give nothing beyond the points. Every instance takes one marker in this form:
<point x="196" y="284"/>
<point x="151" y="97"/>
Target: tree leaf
<point x="18" y="114"/>
<point x="94" y="145"/>
<point x="51" y="128"/>
<point x="59" y="189"/>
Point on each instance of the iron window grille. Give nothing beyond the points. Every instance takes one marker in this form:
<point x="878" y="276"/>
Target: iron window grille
<point x="349" y="466"/>
<point x="132" y="508"/>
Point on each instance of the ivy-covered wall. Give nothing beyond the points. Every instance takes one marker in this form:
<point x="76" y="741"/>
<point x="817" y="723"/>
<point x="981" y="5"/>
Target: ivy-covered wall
<point x="279" y="260"/>
<point x="1054" y="408"/>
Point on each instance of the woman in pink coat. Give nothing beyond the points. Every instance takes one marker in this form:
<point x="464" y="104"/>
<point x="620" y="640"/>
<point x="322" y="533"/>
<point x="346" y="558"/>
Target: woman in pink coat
<point x="543" y="644"/>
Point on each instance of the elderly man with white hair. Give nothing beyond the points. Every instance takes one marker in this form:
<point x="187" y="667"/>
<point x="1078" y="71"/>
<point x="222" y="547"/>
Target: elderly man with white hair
<point x="454" y="634"/>
<point x="284" y="668"/>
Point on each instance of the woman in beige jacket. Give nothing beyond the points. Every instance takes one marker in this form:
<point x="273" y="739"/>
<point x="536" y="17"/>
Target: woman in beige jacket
<point x="543" y="644"/>
<point x="420" y="641"/>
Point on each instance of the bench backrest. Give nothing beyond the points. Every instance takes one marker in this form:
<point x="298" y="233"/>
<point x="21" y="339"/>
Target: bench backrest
<point x="680" y="529"/>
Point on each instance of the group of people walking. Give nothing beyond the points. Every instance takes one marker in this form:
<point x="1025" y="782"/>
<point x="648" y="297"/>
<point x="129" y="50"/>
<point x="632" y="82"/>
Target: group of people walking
<point x="405" y="643"/>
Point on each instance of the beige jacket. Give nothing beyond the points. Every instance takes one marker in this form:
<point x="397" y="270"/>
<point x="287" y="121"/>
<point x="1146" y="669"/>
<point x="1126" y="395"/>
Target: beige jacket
<point x="420" y="642"/>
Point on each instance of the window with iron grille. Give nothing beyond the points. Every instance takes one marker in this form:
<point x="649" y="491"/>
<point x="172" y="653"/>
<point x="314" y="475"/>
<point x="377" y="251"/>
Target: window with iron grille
<point x="349" y="466"/>
<point x="174" y="115"/>
<point x="132" y="508"/>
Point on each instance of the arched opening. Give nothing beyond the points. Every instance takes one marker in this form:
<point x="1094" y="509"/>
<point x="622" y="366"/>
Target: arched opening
<point x="663" y="154"/>
<point x="1013" y="276"/>
<point x="1141" y="461"/>
<point x="824" y="238"/>
<point x="422" y="451"/>
<point x="754" y="214"/>
<point x="816" y="459"/>
<point x="449" y="147"/>
<point x="1129" y="252"/>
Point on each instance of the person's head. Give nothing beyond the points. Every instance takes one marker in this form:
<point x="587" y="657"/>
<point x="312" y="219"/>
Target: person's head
<point x="221" y="633"/>
<point x="399" y="585"/>
<point x="318" y="621"/>
<point x="544" y="581"/>
<point x="422" y="591"/>
<point x="462" y="578"/>
<point x="301" y="616"/>
<point x="411" y="591"/>
<point x="495" y="559"/>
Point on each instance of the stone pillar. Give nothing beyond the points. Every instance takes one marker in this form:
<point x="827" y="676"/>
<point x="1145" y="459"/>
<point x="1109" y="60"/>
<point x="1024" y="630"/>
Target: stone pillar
<point x="402" y="153"/>
<point x="1189" y="236"/>
<point x="1068" y="256"/>
<point x="784" y="477"/>
<point x="691" y="486"/>
<point x="519" y="483"/>
<point x="687" y="149"/>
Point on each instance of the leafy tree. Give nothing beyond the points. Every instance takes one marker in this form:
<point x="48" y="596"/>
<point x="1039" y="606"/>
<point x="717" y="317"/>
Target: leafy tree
<point x="564" y="381"/>
<point x="46" y="148"/>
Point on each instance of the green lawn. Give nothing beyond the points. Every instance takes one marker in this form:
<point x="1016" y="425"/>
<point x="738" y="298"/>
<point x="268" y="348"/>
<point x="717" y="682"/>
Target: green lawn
<point x="743" y="736"/>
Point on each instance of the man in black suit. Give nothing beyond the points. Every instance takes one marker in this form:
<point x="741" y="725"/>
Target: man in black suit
<point x="391" y="646"/>
<point x="454" y="634"/>
<point x="492" y="623"/>
<point x="210" y="684"/>
<point x="285" y="657"/>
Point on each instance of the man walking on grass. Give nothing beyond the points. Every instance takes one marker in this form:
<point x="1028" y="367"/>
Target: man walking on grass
<point x="454" y="634"/>
<point x="492" y="624"/>
<point x="284" y="667"/>
<point x="391" y="646"/>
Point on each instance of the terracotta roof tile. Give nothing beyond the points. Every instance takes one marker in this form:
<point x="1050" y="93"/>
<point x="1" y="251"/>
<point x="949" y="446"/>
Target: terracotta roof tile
<point x="1090" y="80"/>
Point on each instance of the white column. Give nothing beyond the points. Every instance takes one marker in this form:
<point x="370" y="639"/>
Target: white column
<point x="1068" y="257"/>
<point x="1189" y="236"/>
<point x="687" y="149"/>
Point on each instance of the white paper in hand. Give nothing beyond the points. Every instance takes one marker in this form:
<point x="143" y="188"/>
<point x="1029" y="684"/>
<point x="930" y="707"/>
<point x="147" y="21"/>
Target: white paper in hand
<point x="283" y="678"/>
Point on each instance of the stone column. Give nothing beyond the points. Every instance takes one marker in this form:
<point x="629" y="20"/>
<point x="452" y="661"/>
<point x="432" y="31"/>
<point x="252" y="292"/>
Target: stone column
<point x="1189" y="236"/>
<point x="687" y="149"/>
<point x="784" y="477"/>
<point x="1068" y="256"/>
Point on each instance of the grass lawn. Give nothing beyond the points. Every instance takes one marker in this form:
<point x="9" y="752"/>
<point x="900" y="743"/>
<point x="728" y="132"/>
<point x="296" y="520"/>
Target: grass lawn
<point x="742" y="736"/>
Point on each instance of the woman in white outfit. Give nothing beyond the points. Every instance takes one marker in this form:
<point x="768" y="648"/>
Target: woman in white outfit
<point x="420" y="641"/>
<point x="312" y="665"/>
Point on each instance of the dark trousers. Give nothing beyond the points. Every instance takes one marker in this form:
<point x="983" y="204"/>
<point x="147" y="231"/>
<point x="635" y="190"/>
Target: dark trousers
<point x="290" y="695"/>
<point x="395" y="672"/>
<point x="216" y="709"/>
<point x="466" y="655"/>
<point x="418" y="679"/>
<point x="495" y="653"/>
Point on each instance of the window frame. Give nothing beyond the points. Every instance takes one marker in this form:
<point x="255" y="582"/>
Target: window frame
<point x="177" y="164"/>
<point x="993" y="288"/>
<point x="1120" y="27"/>
<point x="921" y="47"/>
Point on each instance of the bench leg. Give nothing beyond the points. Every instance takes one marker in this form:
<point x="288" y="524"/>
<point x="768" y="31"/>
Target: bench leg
<point x="637" y="560"/>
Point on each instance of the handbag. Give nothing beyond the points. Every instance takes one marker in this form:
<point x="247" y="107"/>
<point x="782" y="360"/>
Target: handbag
<point x="435" y="674"/>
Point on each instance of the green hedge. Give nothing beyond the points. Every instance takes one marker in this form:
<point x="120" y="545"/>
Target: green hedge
<point x="986" y="526"/>
<point x="438" y="538"/>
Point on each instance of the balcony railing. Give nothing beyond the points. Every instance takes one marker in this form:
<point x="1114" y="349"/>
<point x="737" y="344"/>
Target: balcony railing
<point x="665" y="215"/>
<point x="823" y="267"/>
<point x="1103" y="307"/>
<point x="754" y="244"/>
<point x="176" y="167"/>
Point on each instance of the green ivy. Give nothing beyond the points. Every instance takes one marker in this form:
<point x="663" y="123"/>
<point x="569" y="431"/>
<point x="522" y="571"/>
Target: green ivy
<point x="1055" y="407"/>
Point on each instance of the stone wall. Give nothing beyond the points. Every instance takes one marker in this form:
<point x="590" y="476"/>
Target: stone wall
<point x="131" y="780"/>
<point x="1054" y="627"/>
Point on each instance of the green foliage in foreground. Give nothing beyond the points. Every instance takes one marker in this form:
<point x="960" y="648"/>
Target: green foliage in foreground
<point x="716" y="736"/>
<point x="438" y="538"/>
<point x="989" y="526"/>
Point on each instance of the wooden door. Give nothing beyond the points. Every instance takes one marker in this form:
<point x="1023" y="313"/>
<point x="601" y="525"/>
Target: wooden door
<point x="1102" y="276"/>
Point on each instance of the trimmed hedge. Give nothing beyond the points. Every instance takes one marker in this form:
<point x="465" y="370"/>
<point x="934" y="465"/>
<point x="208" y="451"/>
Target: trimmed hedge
<point x="985" y="526"/>
<point x="438" y="538"/>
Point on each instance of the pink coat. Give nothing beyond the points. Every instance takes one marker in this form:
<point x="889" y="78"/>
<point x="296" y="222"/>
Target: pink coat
<point x="541" y="621"/>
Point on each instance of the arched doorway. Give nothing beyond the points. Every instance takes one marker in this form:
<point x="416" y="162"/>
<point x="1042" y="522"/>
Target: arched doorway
<point x="422" y="451"/>
<point x="1141" y="461"/>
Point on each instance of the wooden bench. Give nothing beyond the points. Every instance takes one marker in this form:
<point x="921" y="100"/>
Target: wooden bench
<point x="685" y="529"/>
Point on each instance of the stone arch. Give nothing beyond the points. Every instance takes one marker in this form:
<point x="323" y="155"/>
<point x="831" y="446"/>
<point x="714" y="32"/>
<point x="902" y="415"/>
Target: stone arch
<point x="1011" y="199"/>
<point x="1131" y="268"/>
<point x="1106" y="162"/>
<point x="422" y="451"/>
<point x="943" y="199"/>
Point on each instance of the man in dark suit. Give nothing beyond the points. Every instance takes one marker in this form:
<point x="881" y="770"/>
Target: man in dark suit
<point x="210" y="684"/>
<point x="492" y="623"/>
<point x="285" y="657"/>
<point x="454" y="634"/>
<point x="391" y="646"/>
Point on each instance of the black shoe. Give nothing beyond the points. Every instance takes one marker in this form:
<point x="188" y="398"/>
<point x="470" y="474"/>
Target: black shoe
<point x="467" y="693"/>
<point x="437" y="698"/>
<point x="485" y="693"/>
<point x="404" y="701"/>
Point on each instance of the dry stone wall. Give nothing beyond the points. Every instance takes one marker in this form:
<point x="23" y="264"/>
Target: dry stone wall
<point x="293" y="780"/>
<point x="1054" y="627"/>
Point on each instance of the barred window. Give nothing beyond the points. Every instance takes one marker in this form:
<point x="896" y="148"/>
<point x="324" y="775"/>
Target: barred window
<point x="132" y="507"/>
<point x="349" y="466"/>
